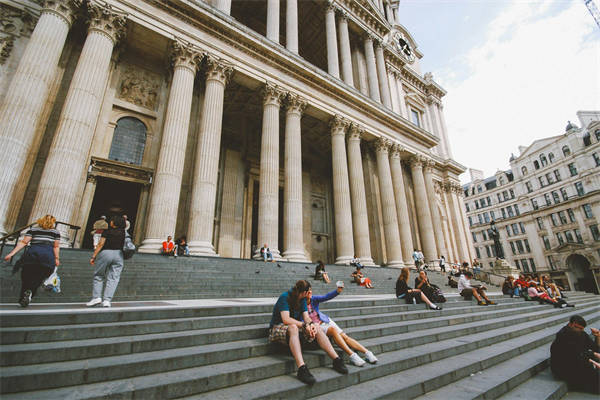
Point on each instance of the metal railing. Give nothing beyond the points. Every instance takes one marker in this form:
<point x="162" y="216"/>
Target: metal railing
<point x="9" y="237"/>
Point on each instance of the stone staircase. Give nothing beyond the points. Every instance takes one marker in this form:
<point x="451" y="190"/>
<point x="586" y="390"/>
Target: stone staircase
<point x="217" y="349"/>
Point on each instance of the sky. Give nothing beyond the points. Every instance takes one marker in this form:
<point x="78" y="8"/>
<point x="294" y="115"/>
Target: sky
<point x="515" y="70"/>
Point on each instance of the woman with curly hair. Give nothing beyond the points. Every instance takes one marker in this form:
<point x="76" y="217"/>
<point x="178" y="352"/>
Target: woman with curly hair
<point x="41" y="257"/>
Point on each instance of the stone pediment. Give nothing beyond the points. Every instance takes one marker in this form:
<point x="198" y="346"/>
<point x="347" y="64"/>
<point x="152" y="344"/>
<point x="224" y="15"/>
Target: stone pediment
<point x="537" y="145"/>
<point x="570" y="247"/>
<point x="365" y="12"/>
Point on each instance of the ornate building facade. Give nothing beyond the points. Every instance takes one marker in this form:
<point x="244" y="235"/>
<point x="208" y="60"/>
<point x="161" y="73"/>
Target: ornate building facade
<point x="546" y="207"/>
<point x="304" y="125"/>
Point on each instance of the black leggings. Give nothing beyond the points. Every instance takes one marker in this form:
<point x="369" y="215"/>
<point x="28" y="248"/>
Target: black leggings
<point x="32" y="276"/>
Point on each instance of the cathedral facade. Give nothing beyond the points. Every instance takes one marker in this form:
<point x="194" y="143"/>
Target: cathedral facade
<point x="307" y="126"/>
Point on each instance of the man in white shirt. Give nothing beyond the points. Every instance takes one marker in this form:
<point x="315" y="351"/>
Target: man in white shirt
<point x="467" y="291"/>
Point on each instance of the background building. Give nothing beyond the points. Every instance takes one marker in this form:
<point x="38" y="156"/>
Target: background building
<point x="546" y="207"/>
<point x="309" y="127"/>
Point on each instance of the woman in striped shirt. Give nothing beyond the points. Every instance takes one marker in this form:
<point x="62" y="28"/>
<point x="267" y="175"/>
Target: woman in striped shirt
<point x="41" y="256"/>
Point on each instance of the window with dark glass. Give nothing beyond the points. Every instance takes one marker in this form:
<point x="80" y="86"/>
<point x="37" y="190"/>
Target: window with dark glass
<point x="503" y="212"/>
<point x="551" y="157"/>
<point x="474" y="236"/>
<point x="572" y="169"/>
<point x="484" y="235"/>
<point x="492" y="216"/>
<point x="512" y="248"/>
<point x="566" y="151"/>
<point x="571" y="215"/>
<point x="562" y="217"/>
<point x="508" y="230"/>
<point x="531" y="261"/>
<point x="522" y="227"/>
<point x="578" y="236"/>
<point x="587" y="210"/>
<point x="510" y="212"/>
<point x="536" y="164"/>
<point x="579" y="188"/>
<point x="516" y="207"/>
<point x="540" y="222"/>
<point x="467" y="207"/>
<point x="543" y="160"/>
<point x="550" y="178"/>
<point x="559" y="236"/>
<point x="534" y="204"/>
<point x="551" y="262"/>
<point x="489" y="201"/>
<point x="547" y="198"/>
<point x="487" y="250"/>
<point x="595" y="232"/>
<point x="569" y="237"/>
<point x="512" y="193"/>
<point x="480" y="218"/>
<point x="505" y="195"/>
<point x="479" y="189"/>
<point x="557" y="175"/>
<point x="128" y="142"/>
<point x="486" y="217"/>
<point x="541" y="179"/>
<point x="587" y="140"/>
<point x="546" y="242"/>
<point x="524" y="170"/>
<point x="520" y="248"/>
<point x="524" y="264"/>
<point x="526" y="243"/>
<point x="415" y="118"/>
<point x="555" y="197"/>
<point x="515" y="228"/>
<point x="470" y="221"/>
<point x="596" y="159"/>
<point x="564" y="194"/>
<point x="554" y="219"/>
<point x="477" y="204"/>
<point x="597" y="133"/>
<point x="499" y="198"/>
<point x="477" y="252"/>
<point x="529" y="187"/>
<point x="517" y="264"/>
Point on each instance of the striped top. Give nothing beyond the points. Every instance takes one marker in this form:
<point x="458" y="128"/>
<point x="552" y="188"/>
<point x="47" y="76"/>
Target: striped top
<point x="43" y="236"/>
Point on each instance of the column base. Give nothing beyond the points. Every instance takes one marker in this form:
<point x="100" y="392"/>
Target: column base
<point x="395" y="264"/>
<point x="202" y="248"/>
<point x="274" y="252"/>
<point x="343" y="260"/>
<point x="152" y="246"/>
<point x="368" y="262"/>
<point x="295" y="256"/>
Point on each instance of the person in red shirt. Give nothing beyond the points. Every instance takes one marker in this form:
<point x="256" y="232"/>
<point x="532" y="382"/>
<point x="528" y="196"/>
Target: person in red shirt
<point x="168" y="247"/>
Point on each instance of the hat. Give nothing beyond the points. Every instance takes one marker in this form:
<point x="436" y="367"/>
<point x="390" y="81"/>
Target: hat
<point x="103" y="217"/>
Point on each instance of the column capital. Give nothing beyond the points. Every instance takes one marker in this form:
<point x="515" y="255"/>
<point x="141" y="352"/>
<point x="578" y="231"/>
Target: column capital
<point x="368" y="37"/>
<point x="417" y="161"/>
<point x="272" y="94"/>
<point x="428" y="165"/>
<point x="343" y="14"/>
<point x="65" y="9"/>
<point x="107" y="20"/>
<point x="331" y="6"/>
<point x="356" y="132"/>
<point x="382" y="145"/>
<point x="184" y="54"/>
<point x="396" y="150"/>
<point x="338" y="125"/>
<point x="295" y="103"/>
<point x="218" y="69"/>
<point x="378" y="43"/>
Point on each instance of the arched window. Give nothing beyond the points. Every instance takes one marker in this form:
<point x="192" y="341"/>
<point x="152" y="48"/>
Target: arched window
<point x="524" y="170"/>
<point x="551" y="157"/>
<point x="597" y="133"/>
<point x="128" y="141"/>
<point x="536" y="164"/>
<point x="543" y="160"/>
<point x="587" y="140"/>
<point x="566" y="151"/>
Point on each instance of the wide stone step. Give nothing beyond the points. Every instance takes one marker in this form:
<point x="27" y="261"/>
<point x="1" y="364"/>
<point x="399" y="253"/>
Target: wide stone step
<point x="199" y="380"/>
<point x="542" y="386"/>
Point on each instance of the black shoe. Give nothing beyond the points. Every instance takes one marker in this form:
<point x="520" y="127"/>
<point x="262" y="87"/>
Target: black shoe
<point x="26" y="299"/>
<point x="338" y="365"/>
<point x="305" y="376"/>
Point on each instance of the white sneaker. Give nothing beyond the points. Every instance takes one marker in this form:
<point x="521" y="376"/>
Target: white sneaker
<point x="106" y="303"/>
<point x="94" y="302"/>
<point x="370" y="357"/>
<point x="356" y="360"/>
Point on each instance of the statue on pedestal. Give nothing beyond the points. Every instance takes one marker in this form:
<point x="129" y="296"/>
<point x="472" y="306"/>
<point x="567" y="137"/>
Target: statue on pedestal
<point x="495" y="235"/>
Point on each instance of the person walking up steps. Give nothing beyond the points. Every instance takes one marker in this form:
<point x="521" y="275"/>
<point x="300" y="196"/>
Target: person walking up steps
<point x="108" y="262"/>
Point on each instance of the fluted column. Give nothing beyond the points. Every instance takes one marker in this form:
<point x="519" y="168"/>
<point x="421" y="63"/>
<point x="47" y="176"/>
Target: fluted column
<point x="291" y="26"/>
<point x="406" y="242"/>
<point x="435" y="212"/>
<point x="401" y="101"/>
<point x="371" y="69"/>
<point x="393" y="90"/>
<point x="268" y="195"/>
<point x="22" y="107"/>
<point x="292" y="191"/>
<point x="333" y="64"/>
<point x="224" y="6"/>
<point x="384" y="87"/>
<point x="273" y="20"/>
<point x="459" y="229"/>
<point x="204" y="186"/>
<point x="423" y="210"/>
<point x="388" y="205"/>
<point x="164" y="200"/>
<point x="468" y="238"/>
<point x="362" y="244"/>
<point x="63" y="178"/>
<point x="341" y="192"/>
<point x="346" y="56"/>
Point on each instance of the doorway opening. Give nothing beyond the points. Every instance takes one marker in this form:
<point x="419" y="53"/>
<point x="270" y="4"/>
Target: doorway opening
<point x="113" y="197"/>
<point x="584" y="278"/>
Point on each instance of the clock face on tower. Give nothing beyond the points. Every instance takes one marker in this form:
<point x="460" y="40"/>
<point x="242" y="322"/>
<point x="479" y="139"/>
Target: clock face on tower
<point x="403" y="46"/>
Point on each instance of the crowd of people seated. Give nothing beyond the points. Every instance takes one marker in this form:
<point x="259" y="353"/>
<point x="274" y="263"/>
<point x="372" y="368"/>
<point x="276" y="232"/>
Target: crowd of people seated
<point x="540" y="288"/>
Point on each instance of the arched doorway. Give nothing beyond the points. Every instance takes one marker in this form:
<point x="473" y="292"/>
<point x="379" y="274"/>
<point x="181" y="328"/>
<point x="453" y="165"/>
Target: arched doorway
<point x="583" y="278"/>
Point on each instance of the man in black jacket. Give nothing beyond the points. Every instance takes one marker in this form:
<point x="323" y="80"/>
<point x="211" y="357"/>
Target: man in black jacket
<point x="575" y="356"/>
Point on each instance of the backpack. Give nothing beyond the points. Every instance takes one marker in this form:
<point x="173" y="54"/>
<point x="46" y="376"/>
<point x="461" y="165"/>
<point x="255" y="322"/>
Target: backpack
<point x="128" y="248"/>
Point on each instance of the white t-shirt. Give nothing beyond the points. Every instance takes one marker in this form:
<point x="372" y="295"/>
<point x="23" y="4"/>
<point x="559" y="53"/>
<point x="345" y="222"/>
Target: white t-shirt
<point x="464" y="283"/>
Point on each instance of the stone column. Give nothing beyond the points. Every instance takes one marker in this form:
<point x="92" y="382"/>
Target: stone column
<point x="63" y="179"/>
<point x="206" y="168"/>
<point x="224" y="6"/>
<point x="459" y="229"/>
<point x="273" y="20"/>
<point x="435" y="212"/>
<point x="346" y="56"/>
<point x="164" y="200"/>
<point x="292" y="192"/>
<point x="341" y="192"/>
<point x="291" y="26"/>
<point x="401" y="101"/>
<point x="444" y="134"/>
<point x="24" y="102"/>
<point x="401" y="205"/>
<point x="362" y="244"/>
<point x="361" y="71"/>
<point x="384" y="87"/>
<point x="388" y="205"/>
<point x="371" y="69"/>
<point x="423" y="210"/>
<point x="333" y="66"/>
<point x="84" y="209"/>
<point x="393" y="90"/>
<point x="468" y="238"/>
<point x="268" y="196"/>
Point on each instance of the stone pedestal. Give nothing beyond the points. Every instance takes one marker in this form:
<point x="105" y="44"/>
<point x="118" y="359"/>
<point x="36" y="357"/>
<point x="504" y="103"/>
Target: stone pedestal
<point x="503" y="268"/>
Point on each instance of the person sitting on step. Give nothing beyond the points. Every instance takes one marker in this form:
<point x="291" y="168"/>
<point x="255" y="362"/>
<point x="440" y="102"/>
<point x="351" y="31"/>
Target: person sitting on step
<point x="361" y="280"/>
<point x="552" y="288"/>
<point x="286" y="328"/>
<point x="355" y="262"/>
<point x="575" y="356"/>
<point x="538" y="293"/>
<point x="266" y="254"/>
<point x="410" y="295"/>
<point x="332" y="330"/>
<point x="509" y="287"/>
<point x="182" y="248"/>
<point x="320" y="273"/>
<point x="467" y="291"/>
<point x="431" y="290"/>
<point x="168" y="247"/>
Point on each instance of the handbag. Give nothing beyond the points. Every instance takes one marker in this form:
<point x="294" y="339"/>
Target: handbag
<point x="52" y="283"/>
<point x="128" y="248"/>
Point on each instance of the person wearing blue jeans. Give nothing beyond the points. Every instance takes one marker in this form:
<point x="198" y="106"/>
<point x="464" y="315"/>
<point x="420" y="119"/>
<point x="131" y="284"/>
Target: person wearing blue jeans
<point x="266" y="253"/>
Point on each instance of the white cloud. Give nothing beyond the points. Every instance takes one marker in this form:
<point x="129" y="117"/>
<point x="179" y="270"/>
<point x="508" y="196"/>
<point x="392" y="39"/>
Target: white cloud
<point x="535" y="69"/>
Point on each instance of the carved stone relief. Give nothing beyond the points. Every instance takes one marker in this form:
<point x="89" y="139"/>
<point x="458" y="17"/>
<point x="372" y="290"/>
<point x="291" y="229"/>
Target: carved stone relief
<point x="14" y="23"/>
<point x="139" y="87"/>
